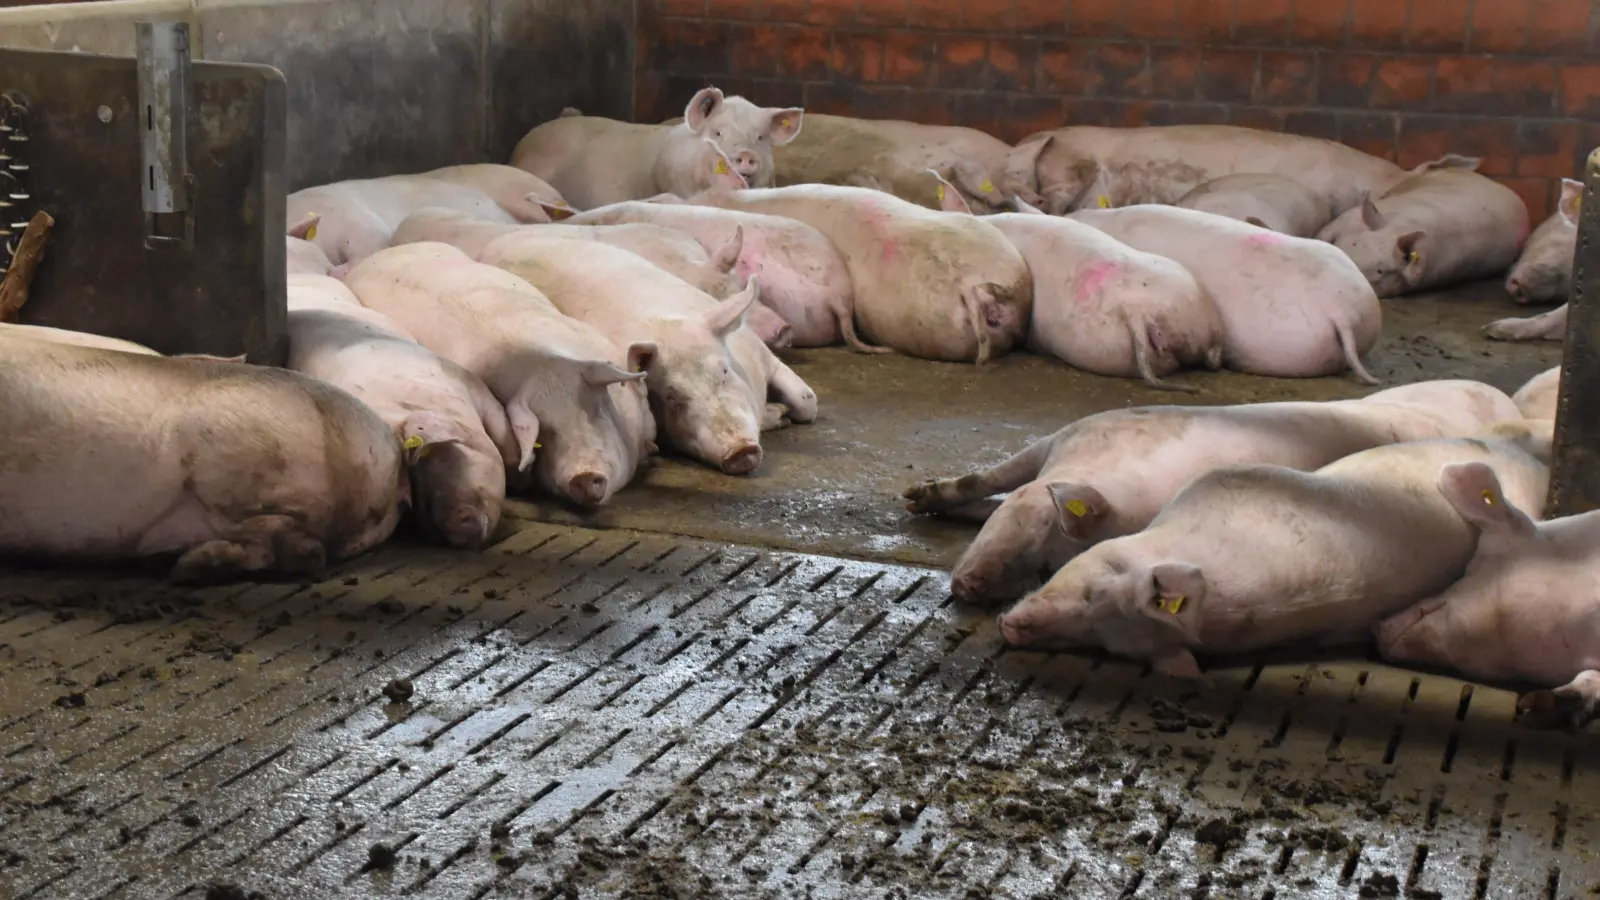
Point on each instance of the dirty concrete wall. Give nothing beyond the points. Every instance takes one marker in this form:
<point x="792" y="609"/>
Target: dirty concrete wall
<point x="378" y="87"/>
<point x="1510" y="80"/>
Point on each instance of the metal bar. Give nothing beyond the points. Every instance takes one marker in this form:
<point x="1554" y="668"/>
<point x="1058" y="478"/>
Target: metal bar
<point x="163" y="64"/>
<point x="1575" y="465"/>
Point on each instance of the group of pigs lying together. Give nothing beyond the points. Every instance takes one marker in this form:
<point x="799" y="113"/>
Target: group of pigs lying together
<point x="1410" y="514"/>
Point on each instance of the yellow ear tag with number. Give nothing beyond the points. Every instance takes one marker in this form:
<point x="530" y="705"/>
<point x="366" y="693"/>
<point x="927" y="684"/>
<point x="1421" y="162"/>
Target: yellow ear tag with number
<point x="722" y="166"/>
<point x="987" y="187"/>
<point x="1104" y="201"/>
<point x="1077" y="508"/>
<point x="1488" y="496"/>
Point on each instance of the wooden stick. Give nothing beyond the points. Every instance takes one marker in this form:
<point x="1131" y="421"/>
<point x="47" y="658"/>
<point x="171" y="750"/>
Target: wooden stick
<point x="19" y="276"/>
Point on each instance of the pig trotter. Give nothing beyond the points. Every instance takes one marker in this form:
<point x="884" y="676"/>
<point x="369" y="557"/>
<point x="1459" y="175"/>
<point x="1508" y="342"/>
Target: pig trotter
<point x="1572" y="705"/>
<point x="775" y="417"/>
<point x="1550" y="326"/>
<point x="946" y="494"/>
<point x="1351" y="356"/>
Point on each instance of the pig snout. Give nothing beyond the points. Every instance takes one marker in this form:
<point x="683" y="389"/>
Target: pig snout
<point x="467" y="528"/>
<point x="746" y="163"/>
<point x="742" y="460"/>
<point x="588" y="488"/>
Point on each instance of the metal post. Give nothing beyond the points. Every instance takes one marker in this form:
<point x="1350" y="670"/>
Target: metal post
<point x="1575" y="467"/>
<point x="163" y="54"/>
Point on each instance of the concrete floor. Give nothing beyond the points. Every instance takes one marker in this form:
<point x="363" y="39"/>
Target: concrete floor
<point x="886" y="422"/>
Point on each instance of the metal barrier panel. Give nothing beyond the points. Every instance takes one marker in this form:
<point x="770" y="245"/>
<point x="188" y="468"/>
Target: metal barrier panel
<point x="1574" y="476"/>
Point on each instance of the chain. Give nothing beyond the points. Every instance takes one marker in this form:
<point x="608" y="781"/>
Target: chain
<point x="16" y="202"/>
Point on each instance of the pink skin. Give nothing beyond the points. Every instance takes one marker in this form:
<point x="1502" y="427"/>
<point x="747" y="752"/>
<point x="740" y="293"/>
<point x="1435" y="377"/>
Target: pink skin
<point x="1093" y="279"/>
<point x="1276" y="202"/>
<point x="1223" y="568"/>
<point x="1264" y="239"/>
<point x="358" y="218"/>
<point x="1122" y="466"/>
<point x="302" y="257"/>
<point x="1537" y="398"/>
<point x="241" y="478"/>
<point x="1527" y="609"/>
<point x="1543" y="274"/>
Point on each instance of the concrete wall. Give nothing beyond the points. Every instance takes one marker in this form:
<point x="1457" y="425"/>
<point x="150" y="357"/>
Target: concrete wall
<point x="1510" y="80"/>
<point x="378" y="87"/>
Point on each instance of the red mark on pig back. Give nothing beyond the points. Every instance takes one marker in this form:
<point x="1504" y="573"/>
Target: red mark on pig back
<point x="1264" y="239"/>
<point x="891" y="250"/>
<point x="1093" y="278"/>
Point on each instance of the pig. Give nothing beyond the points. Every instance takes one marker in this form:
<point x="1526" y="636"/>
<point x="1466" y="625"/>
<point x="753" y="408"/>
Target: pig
<point x="357" y="218"/>
<point x="1527" y="609"/>
<point x="459" y="483"/>
<point x="1546" y="326"/>
<point x="929" y="283"/>
<point x="803" y="277"/>
<point x="707" y="405"/>
<point x="234" y="470"/>
<point x="890" y="155"/>
<point x="301" y="257"/>
<point x="1108" y="475"/>
<point x="521" y="194"/>
<point x="74" y="338"/>
<point x="1443" y="225"/>
<point x="1291" y="307"/>
<point x="1537" y="398"/>
<point x="564" y="385"/>
<point x="1252" y="556"/>
<point x="1086" y="166"/>
<point x="665" y="248"/>
<point x="1275" y="202"/>
<point x="594" y="161"/>
<point x="1102" y="306"/>
<point x="1543" y="274"/>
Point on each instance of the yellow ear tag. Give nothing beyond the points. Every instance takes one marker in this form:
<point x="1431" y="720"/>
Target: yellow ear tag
<point x="311" y="233"/>
<point x="1488" y="496"/>
<point x="1077" y="508"/>
<point x="1104" y="201"/>
<point x="941" y="193"/>
<point x="722" y="166"/>
<point x="1175" y="605"/>
<point x="413" y="442"/>
<point x="783" y="123"/>
<point x="537" y="445"/>
<point x="987" y="187"/>
<point x="1577" y="204"/>
<point x="1411" y="257"/>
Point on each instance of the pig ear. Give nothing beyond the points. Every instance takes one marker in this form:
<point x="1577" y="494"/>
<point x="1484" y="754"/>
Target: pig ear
<point x="1022" y="206"/>
<point x="727" y="256"/>
<point x="641" y="356"/>
<point x="525" y="426"/>
<point x="1474" y="490"/>
<point x="1256" y="222"/>
<point x="1025" y="156"/>
<point x="1079" y="508"/>
<point x="556" y="211"/>
<point x="306" y="229"/>
<point x="599" y="373"/>
<point x="422" y="431"/>
<point x="1370" y="214"/>
<point x="730" y="315"/>
<point x="976" y="180"/>
<point x="1571" y="200"/>
<point x="1176" y="593"/>
<point x="783" y="125"/>
<point x="701" y="107"/>
<point x="1451" y="161"/>
<point x="950" y="199"/>
<point x="723" y="174"/>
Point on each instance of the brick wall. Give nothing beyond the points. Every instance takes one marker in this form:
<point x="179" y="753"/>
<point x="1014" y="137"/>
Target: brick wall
<point x="1509" y="80"/>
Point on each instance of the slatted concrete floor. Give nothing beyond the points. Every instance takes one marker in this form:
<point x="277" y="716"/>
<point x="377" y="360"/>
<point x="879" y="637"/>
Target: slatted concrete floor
<point x="615" y="714"/>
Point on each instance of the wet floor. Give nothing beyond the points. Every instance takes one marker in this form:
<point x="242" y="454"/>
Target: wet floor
<point x="628" y="712"/>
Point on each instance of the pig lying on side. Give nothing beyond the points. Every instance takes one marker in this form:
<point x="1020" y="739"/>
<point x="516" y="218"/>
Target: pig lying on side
<point x="458" y="430"/>
<point x="357" y="218"/>
<point x="595" y="161"/>
<point x="803" y="278"/>
<point x="1543" y="273"/>
<point x="890" y="155"/>
<point x="73" y="338"/>
<point x="1084" y="167"/>
<point x="1108" y="475"/>
<point x="1102" y="306"/>
<point x="1276" y="202"/>
<point x="1443" y="225"/>
<point x="562" y="383"/>
<point x="1249" y="557"/>
<point x="1291" y="307"/>
<point x="1537" y="398"/>
<point x="237" y="470"/>
<point x="1527" y="609"/>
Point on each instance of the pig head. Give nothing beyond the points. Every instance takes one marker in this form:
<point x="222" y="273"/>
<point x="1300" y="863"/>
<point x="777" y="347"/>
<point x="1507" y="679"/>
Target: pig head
<point x="590" y="442"/>
<point x="1032" y="534"/>
<point x="1543" y="274"/>
<point x="458" y="481"/>
<point x="746" y="133"/>
<point x="1390" y="258"/>
<point x="704" y="406"/>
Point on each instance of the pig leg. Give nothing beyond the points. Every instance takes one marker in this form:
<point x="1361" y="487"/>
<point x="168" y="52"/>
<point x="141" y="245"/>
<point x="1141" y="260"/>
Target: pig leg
<point x="774" y="417"/>
<point x="978" y="511"/>
<point x="949" y="493"/>
<point x="1572" y="705"/>
<point x="257" y="544"/>
<point x="787" y="388"/>
<point x="1352" y="357"/>
<point x="1550" y="326"/>
<point x="1143" y="349"/>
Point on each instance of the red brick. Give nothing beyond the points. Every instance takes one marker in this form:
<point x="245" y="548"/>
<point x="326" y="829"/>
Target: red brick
<point x="782" y="10"/>
<point x="1424" y="137"/>
<point x="1313" y="123"/>
<point x="680" y="7"/>
<point x="857" y="55"/>
<point x="1380" y="24"/>
<point x="1151" y="19"/>
<point x="1093" y="112"/>
<point x="1345" y="79"/>
<point x="1491" y="86"/>
<point x="1558" y="26"/>
<point x="907" y="57"/>
<point x="830" y="12"/>
<point x="1122" y="70"/>
<point x="1206" y="21"/>
<point x="1498" y="27"/>
<point x="1030" y="114"/>
<point x="1095" y="18"/>
<point x="868" y="101"/>
<point x="1129" y="114"/>
<point x="1257" y="118"/>
<point x="1260" y="21"/>
<point x="1402" y="81"/>
<point x="1287" y="78"/>
<point x="1493" y="140"/>
<point x="1370" y="132"/>
<point x="684" y="47"/>
<point x="1320" y="23"/>
<point x="962" y="62"/>
<point x="1188" y="114"/>
<point x="1441" y="25"/>
<point x="1041" y="16"/>
<point x="650" y="97"/>
<point x="989" y="15"/>
<point x="1067" y="68"/>
<point x="1547" y="149"/>
<point x="755" y="49"/>
<point x="1580" y="89"/>
<point x="1011" y="63"/>
<point x="929" y="107"/>
<point x="883" y="12"/>
<point x="734" y="9"/>
<point x="1228" y="76"/>
<point x="1174" y="72"/>
<point x="1535" y="192"/>
<point x="936" y="13"/>
<point x="981" y="110"/>
<point x="806" y="52"/>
